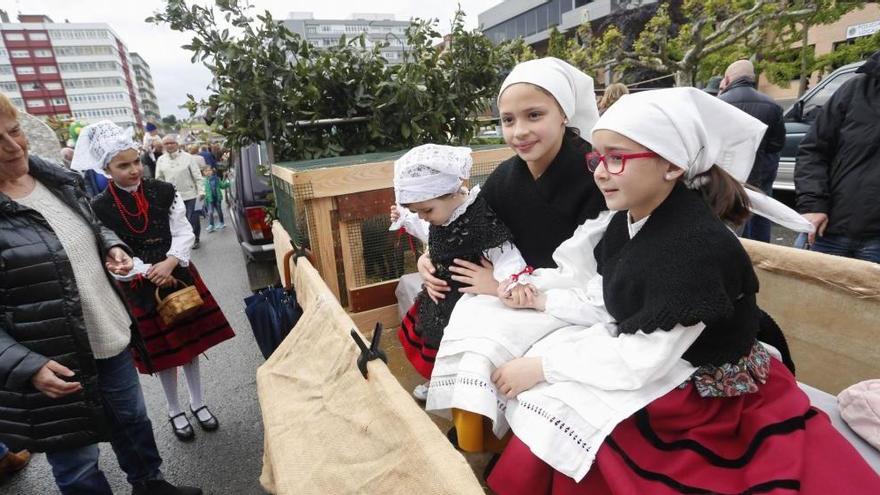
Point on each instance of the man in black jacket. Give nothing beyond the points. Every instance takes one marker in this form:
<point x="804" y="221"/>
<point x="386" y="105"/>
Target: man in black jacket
<point x="837" y="176"/>
<point x="738" y="89"/>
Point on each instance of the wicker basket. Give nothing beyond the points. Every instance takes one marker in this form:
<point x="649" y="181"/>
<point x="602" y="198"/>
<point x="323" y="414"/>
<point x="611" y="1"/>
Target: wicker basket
<point x="180" y="304"/>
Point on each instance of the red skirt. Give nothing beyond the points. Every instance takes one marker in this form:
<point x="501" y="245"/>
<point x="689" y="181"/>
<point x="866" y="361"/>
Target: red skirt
<point x="421" y="356"/>
<point x="177" y="344"/>
<point x="770" y="441"/>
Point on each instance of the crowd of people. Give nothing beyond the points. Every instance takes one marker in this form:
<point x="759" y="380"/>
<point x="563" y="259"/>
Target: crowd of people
<point x="588" y="314"/>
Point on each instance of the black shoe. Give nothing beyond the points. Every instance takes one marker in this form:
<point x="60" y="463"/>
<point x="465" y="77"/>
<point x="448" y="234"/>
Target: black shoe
<point x="490" y="466"/>
<point x="210" y="424"/>
<point x="195" y="245"/>
<point x="162" y="487"/>
<point x="452" y="436"/>
<point x="185" y="434"/>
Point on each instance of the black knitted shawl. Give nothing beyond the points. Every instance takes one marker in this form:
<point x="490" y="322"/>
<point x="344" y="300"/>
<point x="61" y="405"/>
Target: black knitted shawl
<point x="684" y="266"/>
<point x="468" y="237"/>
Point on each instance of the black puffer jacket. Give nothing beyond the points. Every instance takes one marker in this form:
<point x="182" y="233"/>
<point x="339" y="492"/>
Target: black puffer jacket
<point x="743" y="95"/>
<point x="838" y="164"/>
<point x="42" y="319"/>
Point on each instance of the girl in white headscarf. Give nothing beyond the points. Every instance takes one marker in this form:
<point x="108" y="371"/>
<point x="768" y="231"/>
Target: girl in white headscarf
<point x="149" y="216"/>
<point x="656" y="382"/>
<point x="456" y="223"/>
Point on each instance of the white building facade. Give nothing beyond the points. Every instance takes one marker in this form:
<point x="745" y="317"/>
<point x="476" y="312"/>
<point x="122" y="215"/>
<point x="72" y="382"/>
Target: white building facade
<point x="149" y="103"/>
<point x="81" y="70"/>
<point x="324" y="33"/>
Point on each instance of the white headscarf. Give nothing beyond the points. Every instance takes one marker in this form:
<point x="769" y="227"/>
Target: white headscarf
<point x="98" y="143"/>
<point x="694" y="130"/>
<point x="430" y="171"/>
<point x="572" y="89"/>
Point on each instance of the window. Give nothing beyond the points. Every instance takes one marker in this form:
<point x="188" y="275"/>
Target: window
<point x="43" y="53"/>
<point x="38" y="36"/>
<point x="15" y="36"/>
<point x="20" y="54"/>
<point x="59" y="101"/>
<point x="24" y="70"/>
<point x="3" y="52"/>
<point x="36" y="103"/>
<point x="48" y="69"/>
<point x="9" y="87"/>
<point x="5" y="69"/>
<point x="17" y="102"/>
<point x="818" y="100"/>
<point x="52" y="85"/>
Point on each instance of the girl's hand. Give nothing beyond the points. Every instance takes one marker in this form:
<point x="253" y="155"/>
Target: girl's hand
<point x="479" y="278"/>
<point x="519" y="375"/>
<point x="395" y="215"/>
<point x="160" y="273"/>
<point x="502" y="291"/>
<point x="521" y="296"/>
<point x="434" y="286"/>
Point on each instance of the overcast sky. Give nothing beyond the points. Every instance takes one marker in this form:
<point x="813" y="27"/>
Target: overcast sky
<point x="173" y="73"/>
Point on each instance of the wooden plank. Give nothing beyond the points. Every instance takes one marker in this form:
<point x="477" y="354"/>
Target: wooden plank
<point x="352" y="253"/>
<point x="323" y="233"/>
<point x="358" y="206"/>
<point x="282" y="173"/>
<point x="372" y="296"/>
<point x="366" y="320"/>
<point x="336" y="181"/>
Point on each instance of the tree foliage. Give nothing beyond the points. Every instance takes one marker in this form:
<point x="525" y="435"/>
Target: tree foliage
<point x="268" y="81"/>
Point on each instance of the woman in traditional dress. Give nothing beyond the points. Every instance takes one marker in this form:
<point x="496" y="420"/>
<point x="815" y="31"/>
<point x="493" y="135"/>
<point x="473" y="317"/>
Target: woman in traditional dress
<point x="150" y="217"/>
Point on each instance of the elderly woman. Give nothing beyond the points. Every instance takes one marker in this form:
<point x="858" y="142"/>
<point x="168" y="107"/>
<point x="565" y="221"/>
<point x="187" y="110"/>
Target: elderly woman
<point x="67" y="380"/>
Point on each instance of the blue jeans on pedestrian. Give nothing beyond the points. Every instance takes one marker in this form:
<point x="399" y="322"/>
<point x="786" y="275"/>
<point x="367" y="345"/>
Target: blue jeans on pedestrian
<point x="194" y="217"/>
<point x="3" y="450"/>
<point x="76" y="470"/>
<point x="214" y="207"/>
<point x="758" y="228"/>
<point x="838" y="245"/>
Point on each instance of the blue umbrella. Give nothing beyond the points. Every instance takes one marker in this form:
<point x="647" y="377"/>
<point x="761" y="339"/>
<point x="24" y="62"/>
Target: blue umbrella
<point x="272" y="313"/>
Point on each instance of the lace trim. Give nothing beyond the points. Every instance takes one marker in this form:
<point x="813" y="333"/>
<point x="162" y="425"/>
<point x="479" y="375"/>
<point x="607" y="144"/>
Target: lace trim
<point x="472" y="196"/>
<point x="560" y="424"/>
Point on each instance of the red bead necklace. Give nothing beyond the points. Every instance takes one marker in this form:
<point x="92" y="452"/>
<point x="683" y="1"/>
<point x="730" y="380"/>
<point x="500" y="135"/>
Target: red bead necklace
<point x="140" y="202"/>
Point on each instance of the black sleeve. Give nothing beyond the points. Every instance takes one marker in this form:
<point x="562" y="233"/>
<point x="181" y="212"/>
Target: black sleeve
<point x="816" y="152"/>
<point x="18" y="364"/>
<point x="774" y="139"/>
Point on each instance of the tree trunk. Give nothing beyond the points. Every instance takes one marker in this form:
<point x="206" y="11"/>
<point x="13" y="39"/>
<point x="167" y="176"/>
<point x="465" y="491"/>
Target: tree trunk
<point x="684" y="78"/>
<point x="805" y="52"/>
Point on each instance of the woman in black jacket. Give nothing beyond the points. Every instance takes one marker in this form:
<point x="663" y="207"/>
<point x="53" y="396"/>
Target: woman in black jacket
<point x="67" y="380"/>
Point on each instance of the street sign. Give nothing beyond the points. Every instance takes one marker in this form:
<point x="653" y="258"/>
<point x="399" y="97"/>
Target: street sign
<point x="864" y="29"/>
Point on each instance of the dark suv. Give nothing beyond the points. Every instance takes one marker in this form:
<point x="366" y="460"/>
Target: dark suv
<point x="248" y="198"/>
<point x="801" y="115"/>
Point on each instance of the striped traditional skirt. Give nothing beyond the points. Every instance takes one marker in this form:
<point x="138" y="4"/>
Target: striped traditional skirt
<point x="771" y="441"/>
<point x="175" y="345"/>
<point x="419" y="354"/>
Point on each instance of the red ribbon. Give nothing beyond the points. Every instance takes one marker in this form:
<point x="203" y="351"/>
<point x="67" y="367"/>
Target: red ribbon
<point x="400" y="232"/>
<point x="525" y="271"/>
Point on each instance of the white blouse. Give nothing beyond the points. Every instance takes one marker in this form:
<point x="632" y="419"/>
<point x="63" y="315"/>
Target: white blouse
<point x="182" y="236"/>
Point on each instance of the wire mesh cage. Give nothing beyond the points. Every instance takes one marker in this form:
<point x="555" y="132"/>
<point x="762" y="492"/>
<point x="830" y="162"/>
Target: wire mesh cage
<point x="339" y="209"/>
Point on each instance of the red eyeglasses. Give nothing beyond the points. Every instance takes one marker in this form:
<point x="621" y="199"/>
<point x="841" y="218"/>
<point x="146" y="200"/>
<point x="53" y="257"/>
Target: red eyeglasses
<point x="615" y="163"/>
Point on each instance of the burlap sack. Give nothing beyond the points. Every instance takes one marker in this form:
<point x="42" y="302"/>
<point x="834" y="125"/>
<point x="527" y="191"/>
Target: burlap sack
<point x="330" y="431"/>
<point x="829" y="309"/>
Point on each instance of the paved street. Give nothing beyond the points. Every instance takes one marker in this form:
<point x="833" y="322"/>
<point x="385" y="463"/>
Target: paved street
<point x="224" y="462"/>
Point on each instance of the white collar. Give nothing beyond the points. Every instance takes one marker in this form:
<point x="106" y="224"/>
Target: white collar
<point x="130" y="189"/>
<point x="635" y="227"/>
<point x="472" y="196"/>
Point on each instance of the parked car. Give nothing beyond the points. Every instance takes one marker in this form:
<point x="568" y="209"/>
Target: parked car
<point x="248" y="198"/>
<point x="801" y="115"/>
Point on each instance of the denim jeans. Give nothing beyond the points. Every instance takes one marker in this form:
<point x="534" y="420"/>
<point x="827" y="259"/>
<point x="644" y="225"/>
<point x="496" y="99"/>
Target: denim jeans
<point x="76" y="470"/>
<point x="861" y="249"/>
<point x="758" y="228"/>
<point x="194" y="217"/>
<point x="212" y="207"/>
<point x="3" y="450"/>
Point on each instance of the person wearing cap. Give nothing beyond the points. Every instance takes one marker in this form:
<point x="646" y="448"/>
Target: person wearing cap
<point x="547" y="108"/>
<point x="149" y="216"/>
<point x="151" y="135"/>
<point x="67" y="380"/>
<point x="662" y="386"/>
<point x="456" y="223"/>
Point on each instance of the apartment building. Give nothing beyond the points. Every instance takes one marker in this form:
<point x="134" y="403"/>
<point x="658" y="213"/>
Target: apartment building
<point x="323" y="33"/>
<point x="81" y="70"/>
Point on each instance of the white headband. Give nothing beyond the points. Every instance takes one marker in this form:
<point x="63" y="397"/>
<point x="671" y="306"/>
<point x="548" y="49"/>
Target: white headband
<point x="430" y="171"/>
<point x="694" y="130"/>
<point x="571" y="88"/>
<point x="97" y="145"/>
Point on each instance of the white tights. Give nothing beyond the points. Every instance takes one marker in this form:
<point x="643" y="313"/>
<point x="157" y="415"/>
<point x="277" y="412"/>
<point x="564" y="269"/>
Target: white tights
<point x="168" y="377"/>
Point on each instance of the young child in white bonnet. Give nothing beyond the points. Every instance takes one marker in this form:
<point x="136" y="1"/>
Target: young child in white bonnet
<point x="456" y="223"/>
